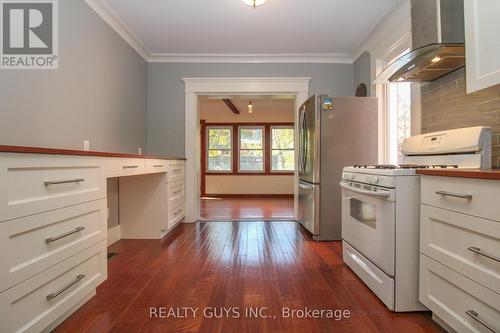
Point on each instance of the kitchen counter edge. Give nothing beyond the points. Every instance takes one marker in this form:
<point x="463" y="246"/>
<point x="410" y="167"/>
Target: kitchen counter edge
<point x="55" y="151"/>
<point x="489" y="174"/>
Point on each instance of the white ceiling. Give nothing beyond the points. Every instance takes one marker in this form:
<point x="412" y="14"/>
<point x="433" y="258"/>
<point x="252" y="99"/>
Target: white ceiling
<point x="203" y="27"/>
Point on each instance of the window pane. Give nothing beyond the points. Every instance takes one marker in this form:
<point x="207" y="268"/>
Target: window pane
<point x="219" y="160"/>
<point x="219" y="138"/>
<point x="251" y="138"/>
<point x="282" y="138"/>
<point x="283" y="160"/>
<point x="251" y="160"/>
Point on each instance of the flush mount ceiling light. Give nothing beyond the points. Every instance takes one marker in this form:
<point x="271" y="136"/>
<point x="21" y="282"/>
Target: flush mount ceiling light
<point x="254" y="3"/>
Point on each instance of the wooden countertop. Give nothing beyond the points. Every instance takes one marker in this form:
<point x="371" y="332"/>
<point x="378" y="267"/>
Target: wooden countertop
<point x="492" y="174"/>
<point x="53" y="151"/>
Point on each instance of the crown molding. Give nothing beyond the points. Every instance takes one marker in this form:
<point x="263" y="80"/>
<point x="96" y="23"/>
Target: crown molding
<point x="328" y="58"/>
<point x="103" y="10"/>
<point x="242" y="84"/>
<point x="391" y="20"/>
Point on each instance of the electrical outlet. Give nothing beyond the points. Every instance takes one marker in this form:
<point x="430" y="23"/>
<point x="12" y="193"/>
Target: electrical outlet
<point x="86" y="145"/>
<point x="139" y="151"/>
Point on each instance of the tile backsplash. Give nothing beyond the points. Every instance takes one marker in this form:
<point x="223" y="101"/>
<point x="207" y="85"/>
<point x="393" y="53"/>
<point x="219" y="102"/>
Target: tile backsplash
<point x="446" y="105"/>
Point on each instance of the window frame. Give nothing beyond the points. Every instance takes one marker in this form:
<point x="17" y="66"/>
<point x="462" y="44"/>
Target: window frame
<point x="207" y="150"/>
<point x="235" y="152"/>
<point x="272" y="149"/>
<point x="263" y="149"/>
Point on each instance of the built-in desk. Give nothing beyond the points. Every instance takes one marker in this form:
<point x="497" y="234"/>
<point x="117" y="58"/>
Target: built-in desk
<point x="53" y="224"/>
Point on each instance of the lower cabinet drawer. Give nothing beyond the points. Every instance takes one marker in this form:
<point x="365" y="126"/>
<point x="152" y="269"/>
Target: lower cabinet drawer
<point x="467" y="244"/>
<point x="176" y="171"/>
<point x="156" y="166"/>
<point x="120" y="167"/>
<point x="36" y="303"/>
<point x="460" y="302"/>
<point x="175" y="212"/>
<point x="32" y="244"/>
<point x="175" y="191"/>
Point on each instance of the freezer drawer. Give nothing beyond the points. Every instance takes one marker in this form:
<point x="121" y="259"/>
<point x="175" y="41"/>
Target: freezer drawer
<point x="309" y="196"/>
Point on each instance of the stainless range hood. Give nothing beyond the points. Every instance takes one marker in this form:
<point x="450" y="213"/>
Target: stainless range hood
<point x="438" y="39"/>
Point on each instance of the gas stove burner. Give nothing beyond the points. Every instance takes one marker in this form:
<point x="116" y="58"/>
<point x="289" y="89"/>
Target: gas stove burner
<point x="413" y="166"/>
<point x="444" y="166"/>
<point x="385" y="166"/>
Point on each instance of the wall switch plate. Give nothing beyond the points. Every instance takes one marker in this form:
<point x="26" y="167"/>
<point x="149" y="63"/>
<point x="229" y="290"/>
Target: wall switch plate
<point x="139" y="151"/>
<point x="86" y="145"/>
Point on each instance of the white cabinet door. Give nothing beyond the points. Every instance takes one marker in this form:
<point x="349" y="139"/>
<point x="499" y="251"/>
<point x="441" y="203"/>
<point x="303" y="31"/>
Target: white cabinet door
<point x="483" y="43"/>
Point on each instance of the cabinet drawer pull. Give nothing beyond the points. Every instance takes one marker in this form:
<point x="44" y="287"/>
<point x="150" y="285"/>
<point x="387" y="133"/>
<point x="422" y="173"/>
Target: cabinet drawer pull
<point x="474" y="315"/>
<point x="66" y="234"/>
<point x="130" y="166"/>
<point x="177" y="170"/>
<point x="67" y="181"/>
<point x="455" y="195"/>
<point x="66" y="287"/>
<point x="484" y="254"/>
<point x="158" y="166"/>
<point x="177" y="192"/>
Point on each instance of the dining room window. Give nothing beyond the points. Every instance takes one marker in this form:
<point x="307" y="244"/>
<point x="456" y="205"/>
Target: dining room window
<point x="282" y="149"/>
<point x="251" y="149"/>
<point x="219" y="149"/>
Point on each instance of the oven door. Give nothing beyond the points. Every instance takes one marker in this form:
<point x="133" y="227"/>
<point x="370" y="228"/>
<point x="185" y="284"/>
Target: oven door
<point x="368" y="222"/>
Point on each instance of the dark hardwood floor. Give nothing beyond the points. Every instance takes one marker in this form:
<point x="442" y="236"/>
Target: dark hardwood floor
<point x="246" y="208"/>
<point x="226" y="264"/>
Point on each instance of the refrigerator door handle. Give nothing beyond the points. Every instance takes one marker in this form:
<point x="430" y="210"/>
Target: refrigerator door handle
<point x="306" y="186"/>
<point x="305" y="143"/>
<point x="301" y="141"/>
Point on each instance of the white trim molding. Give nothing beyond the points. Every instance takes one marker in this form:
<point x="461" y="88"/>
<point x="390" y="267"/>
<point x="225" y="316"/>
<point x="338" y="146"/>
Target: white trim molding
<point x="325" y="58"/>
<point x="194" y="87"/>
<point x="114" y="234"/>
<point x="109" y="16"/>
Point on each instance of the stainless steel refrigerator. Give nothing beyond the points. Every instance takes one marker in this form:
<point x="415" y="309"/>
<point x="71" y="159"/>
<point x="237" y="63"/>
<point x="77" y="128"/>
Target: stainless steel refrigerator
<point x="333" y="133"/>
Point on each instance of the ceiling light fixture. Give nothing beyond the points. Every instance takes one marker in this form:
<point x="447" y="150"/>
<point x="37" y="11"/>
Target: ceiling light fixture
<point x="254" y="3"/>
<point x="250" y="107"/>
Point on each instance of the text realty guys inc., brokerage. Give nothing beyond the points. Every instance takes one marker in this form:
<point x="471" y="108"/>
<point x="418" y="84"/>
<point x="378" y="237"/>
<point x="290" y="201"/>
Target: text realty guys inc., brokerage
<point x="247" y="312"/>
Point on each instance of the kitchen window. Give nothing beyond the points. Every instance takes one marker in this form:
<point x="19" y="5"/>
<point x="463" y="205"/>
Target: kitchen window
<point x="283" y="149"/>
<point x="251" y="149"/>
<point x="219" y="149"/>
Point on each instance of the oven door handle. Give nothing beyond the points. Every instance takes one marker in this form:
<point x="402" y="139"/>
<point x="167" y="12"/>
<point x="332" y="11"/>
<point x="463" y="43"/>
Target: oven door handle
<point x="370" y="193"/>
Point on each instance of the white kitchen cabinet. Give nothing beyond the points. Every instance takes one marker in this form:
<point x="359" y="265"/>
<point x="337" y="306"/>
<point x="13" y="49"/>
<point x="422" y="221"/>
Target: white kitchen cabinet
<point x="460" y="252"/>
<point x="482" y="43"/>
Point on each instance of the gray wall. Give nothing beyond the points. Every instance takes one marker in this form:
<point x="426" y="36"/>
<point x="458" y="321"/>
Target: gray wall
<point x="98" y="92"/>
<point x="362" y="72"/>
<point x="165" y="115"/>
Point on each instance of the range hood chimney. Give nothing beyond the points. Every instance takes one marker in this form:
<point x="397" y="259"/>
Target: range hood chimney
<point x="438" y="43"/>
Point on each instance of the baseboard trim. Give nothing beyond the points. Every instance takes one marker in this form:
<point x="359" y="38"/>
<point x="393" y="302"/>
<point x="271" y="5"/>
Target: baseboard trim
<point x="114" y="234"/>
<point x="248" y="195"/>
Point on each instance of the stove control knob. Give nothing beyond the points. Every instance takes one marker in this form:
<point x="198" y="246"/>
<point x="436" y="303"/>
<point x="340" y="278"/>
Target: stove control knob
<point x="373" y="180"/>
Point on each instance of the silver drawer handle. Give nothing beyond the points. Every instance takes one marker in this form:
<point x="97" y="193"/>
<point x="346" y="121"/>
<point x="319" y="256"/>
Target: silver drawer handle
<point x="158" y="166"/>
<point x="63" y="289"/>
<point x="130" y="166"/>
<point x="177" y="192"/>
<point x="455" y="195"/>
<point x="177" y="170"/>
<point x="484" y="254"/>
<point x="474" y="315"/>
<point x="66" y="234"/>
<point x="67" y="181"/>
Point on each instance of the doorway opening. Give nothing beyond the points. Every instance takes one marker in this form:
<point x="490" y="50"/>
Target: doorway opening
<point x="195" y="87"/>
<point x="247" y="157"/>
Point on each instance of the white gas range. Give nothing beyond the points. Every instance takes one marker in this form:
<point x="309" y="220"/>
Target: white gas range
<point x="380" y="211"/>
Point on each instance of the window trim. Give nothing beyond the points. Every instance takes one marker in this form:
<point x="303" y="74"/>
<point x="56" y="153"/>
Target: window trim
<point x="271" y="148"/>
<point x="267" y="151"/>
<point x="264" y="159"/>
<point x="207" y="130"/>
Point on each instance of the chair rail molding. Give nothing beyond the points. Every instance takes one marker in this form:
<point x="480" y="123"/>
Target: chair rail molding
<point x="297" y="86"/>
